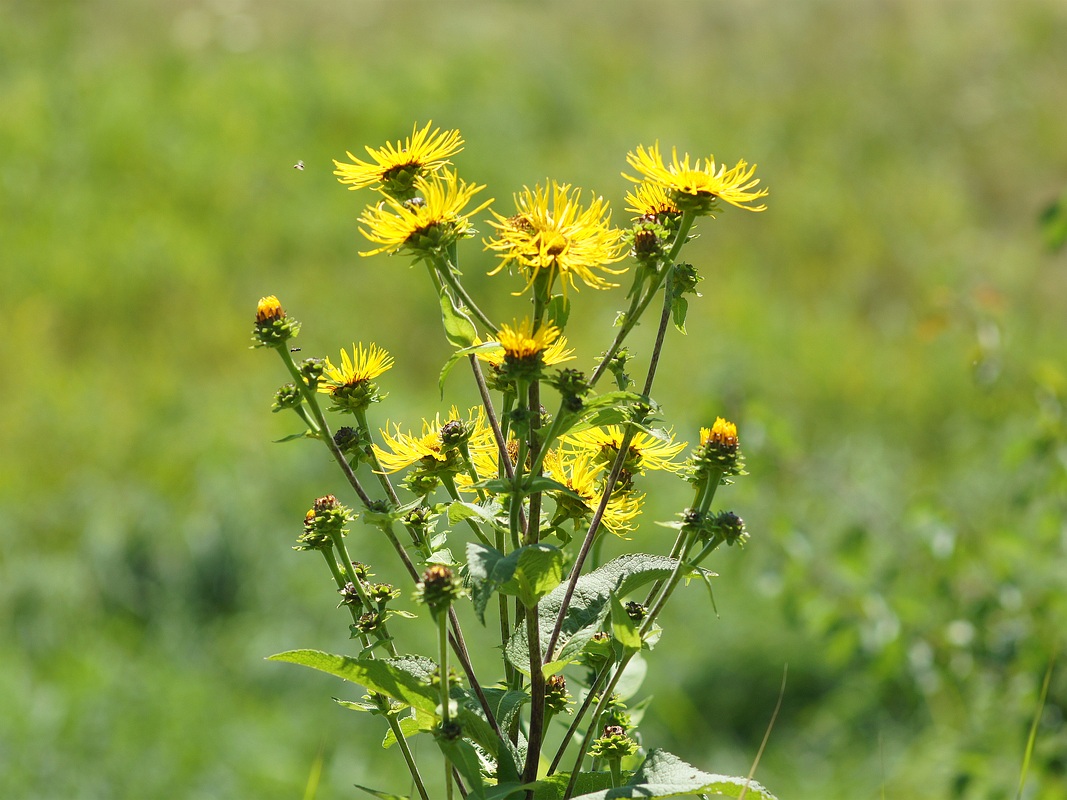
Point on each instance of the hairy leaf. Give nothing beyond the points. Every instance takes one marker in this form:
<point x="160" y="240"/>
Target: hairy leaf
<point x="666" y="775"/>
<point x="405" y="680"/>
<point x="587" y="608"/>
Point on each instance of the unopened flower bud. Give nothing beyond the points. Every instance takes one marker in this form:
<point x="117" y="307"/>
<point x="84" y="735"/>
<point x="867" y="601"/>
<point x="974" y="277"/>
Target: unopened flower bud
<point x="636" y="611"/>
<point x="350" y="595"/>
<point x="439" y="588"/>
<point x="719" y="453"/>
<point x="273" y="328"/>
<point x="287" y="396"/>
<point x="730" y="527"/>
<point x="556" y="697"/>
<point x="312" y="369"/>
<point x="613" y="744"/>
<point x="325" y="519"/>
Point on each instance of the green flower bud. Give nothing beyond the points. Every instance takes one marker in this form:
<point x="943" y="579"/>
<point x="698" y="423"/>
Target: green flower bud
<point x="439" y="588"/>
<point x="613" y="744"/>
<point x="325" y="519"/>
<point x="287" y="396"/>
<point x="556" y="697"/>
<point x="273" y="328"/>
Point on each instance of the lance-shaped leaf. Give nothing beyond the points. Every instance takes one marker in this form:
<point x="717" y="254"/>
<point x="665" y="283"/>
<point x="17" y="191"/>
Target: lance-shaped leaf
<point x="459" y="329"/>
<point x="405" y="680"/>
<point x="622" y="626"/>
<point x="587" y="608"/>
<point x="666" y="775"/>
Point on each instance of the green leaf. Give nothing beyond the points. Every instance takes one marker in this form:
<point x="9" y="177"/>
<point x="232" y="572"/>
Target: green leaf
<point x="358" y="705"/>
<point x="587" y="609"/>
<point x="381" y="795"/>
<point x="558" y="311"/>
<point x="458" y="356"/>
<point x="541" y="483"/>
<point x="405" y="680"/>
<point x="1053" y="221"/>
<point x="528" y="573"/>
<point x="679" y="308"/>
<point x="294" y="436"/>
<point x="538" y="570"/>
<point x="622" y="627"/>
<point x="465" y="759"/>
<point x="476" y="727"/>
<point x="459" y="330"/>
<point x="555" y="786"/>
<point x="409" y="726"/>
<point x="666" y="775"/>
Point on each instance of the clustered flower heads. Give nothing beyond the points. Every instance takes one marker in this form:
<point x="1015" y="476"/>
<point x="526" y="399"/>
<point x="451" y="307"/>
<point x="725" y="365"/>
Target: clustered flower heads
<point x="506" y="502"/>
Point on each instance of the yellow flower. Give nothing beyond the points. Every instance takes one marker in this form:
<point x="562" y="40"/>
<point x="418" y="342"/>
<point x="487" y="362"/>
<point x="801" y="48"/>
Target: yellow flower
<point x="698" y="186"/>
<point x="645" y="451"/>
<point x="364" y="365"/>
<point x="552" y="233"/>
<point x="395" y="168"/>
<point x="521" y="341"/>
<point x="650" y="199"/>
<point x="431" y="446"/>
<point x="579" y="473"/>
<point x="555" y="353"/>
<point x="431" y="220"/>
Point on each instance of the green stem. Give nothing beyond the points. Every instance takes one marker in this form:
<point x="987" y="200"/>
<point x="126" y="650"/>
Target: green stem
<point x="442" y="649"/>
<point x="616" y="469"/>
<point x="446" y="272"/>
<point x="324" y="429"/>
<point x="638" y="306"/>
<point x="379" y="700"/>
<point x="589" y="696"/>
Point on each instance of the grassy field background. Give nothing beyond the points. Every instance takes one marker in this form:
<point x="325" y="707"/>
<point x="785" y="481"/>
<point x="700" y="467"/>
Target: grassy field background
<point x="889" y="336"/>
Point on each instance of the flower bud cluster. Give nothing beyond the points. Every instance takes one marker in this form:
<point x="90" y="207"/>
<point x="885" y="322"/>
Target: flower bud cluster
<point x="372" y="598"/>
<point x="725" y="526"/>
<point x="322" y="522"/>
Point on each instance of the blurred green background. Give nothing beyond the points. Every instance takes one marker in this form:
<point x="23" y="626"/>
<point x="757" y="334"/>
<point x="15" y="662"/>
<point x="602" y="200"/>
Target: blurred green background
<point x="889" y="336"/>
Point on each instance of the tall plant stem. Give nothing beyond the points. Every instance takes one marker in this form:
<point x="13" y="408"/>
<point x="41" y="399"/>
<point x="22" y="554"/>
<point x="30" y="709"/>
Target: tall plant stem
<point x="442" y="650"/>
<point x="613" y="476"/>
<point x="638" y="307"/>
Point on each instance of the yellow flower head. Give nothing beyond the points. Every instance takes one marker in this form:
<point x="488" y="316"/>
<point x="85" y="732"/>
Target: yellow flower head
<point x="521" y="342"/>
<point x="645" y="451"/>
<point x="650" y="200"/>
<point x="554" y="235"/>
<point x="697" y="187"/>
<point x="362" y="366"/>
<point x="555" y="353"/>
<point x="429" y="221"/>
<point x="395" y="168"/>
<point x="435" y="447"/>
<point x="579" y="473"/>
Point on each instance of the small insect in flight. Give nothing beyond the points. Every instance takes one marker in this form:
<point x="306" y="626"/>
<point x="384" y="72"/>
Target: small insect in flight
<point x="298" y="165"/>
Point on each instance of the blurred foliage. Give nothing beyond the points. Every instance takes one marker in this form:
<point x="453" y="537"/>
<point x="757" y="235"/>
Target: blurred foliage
<point x="889" y="337"/>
